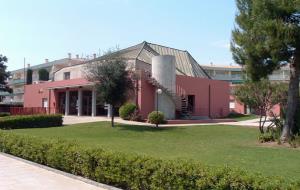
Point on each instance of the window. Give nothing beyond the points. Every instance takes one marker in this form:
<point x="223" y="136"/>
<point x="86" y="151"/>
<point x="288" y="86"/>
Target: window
<point x="45" y="102"/>
<point x="67" y="76"/>
<point x="232" y="104"/>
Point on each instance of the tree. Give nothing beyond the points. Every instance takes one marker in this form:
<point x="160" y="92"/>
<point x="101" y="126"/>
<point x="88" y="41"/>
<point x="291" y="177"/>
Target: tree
<point x="29" y="76"/>
<point x="3" y="75"/>
<point x="262" y="96"/>
<point x="112" y="81"/>
<point x="43" y="75"/>
<point x="267" y="36"/>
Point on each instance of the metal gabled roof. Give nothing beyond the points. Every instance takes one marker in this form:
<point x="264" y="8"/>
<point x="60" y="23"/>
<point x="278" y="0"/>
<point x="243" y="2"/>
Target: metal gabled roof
<point x="185" y="63"/>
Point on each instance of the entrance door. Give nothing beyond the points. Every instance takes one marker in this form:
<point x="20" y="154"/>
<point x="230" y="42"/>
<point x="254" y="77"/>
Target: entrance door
<point x="87" y="103"/>
<point x="73" y="103"/>
<point x="61" y="102"/>
<point x="191" y="103"/>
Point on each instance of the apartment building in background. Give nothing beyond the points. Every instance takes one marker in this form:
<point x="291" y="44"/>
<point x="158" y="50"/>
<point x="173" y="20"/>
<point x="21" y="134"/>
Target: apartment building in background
<point x="234" y="75"/>
<point x="17" y="79"/>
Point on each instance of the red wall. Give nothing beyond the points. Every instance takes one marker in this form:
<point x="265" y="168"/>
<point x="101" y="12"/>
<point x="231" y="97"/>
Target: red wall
<point x="219" y="95"/>
<point x="146" y="96"/>
<point x="34" y="93"/>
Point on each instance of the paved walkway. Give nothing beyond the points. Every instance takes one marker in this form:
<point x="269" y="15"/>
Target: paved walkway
<point x="248" y="123"/>
<point x="18" y="174"/>
<point x="68" y="120"/>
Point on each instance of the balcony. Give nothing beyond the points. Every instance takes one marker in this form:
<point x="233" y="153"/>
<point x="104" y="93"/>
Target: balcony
<point x="18" y="91"/>
<point x="227" y="77"/>
<point x="16" y="81"/>
<point x="279" y="77"/>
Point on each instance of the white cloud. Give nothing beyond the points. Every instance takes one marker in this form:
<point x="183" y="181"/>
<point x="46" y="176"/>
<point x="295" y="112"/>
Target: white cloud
<point x="221" y="44"/>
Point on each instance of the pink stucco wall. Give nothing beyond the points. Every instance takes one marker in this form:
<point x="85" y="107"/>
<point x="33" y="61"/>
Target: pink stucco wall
<point x="214" y="103"/>
<point x="34" y="93"/>
<point x="219" y="95"/>
<point x="146" y="96"/>
<point x="240" y="107"/>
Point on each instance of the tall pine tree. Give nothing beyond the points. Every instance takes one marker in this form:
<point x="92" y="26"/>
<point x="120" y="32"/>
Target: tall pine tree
<point x="3" y="74"/>
<point x="266" y="37"/>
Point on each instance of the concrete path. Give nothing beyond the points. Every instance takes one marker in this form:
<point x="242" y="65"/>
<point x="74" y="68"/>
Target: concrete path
<point x="68" y="120"/>
<point x="248" y="123"/>
<point x="19" y="174"/>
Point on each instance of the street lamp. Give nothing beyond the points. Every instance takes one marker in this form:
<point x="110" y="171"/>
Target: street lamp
<point x="158" y="92"/>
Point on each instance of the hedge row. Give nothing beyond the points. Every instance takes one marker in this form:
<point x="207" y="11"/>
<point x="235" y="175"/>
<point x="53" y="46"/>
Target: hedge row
<point x="31" y="121"/>
<point x="131" y="171"/>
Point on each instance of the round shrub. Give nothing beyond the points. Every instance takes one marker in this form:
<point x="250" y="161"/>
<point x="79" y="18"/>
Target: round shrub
<point x="127" y="110"/>
<point x="4" y="114"/>
<point x="156" y="117"/>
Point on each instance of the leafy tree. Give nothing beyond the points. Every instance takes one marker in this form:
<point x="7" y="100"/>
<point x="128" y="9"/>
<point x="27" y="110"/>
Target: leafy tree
<point x="112" y="81"/>
<point x="262" y="96"/>
<point x="29" y="76"/>
<point x="43" y="75"/>
<point x="267" y="36"/>
<point x="3" y="75"/>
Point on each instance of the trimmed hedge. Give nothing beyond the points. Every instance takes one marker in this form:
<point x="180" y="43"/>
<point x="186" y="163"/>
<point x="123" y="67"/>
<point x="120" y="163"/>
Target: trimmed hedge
<point x="31" y="121"/>
<point x="127" y="111"/>
<point x="156" y="117"/>
<point x="129" y="171"/>
<point x="4" y="114"/>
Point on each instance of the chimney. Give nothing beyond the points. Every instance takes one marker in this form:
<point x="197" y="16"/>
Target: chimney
<point x="77" y="56"/>
<point x="28" y="65"/>
<point x="69" y="55"/>
<point x="94" y="56"/>
<point x="46" y="60"/>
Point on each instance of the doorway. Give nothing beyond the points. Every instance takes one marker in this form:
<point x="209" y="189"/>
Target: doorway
<point x="61" y="102"/>
<point x="191" y="103"/>
<point x="86" y="102"/>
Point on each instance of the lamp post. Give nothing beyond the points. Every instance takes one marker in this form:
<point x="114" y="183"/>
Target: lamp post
<point x="158" y="92"/>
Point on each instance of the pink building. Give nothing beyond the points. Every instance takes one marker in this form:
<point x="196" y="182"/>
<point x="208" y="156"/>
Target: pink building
<point x="187" y="91"/>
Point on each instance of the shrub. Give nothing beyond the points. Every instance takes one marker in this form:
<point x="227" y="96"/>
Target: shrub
<point x="130" y="171"/>
<point x="136" y="116"/>
<point x="266" y="137"/>
<point x="156" y="117"/>
<point x="127" y="110"/>
<point x="4" y="114"/>
<point x="31" y="121"/>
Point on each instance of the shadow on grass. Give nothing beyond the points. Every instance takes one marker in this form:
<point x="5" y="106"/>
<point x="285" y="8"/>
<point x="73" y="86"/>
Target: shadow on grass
<point x="139" y="128"/>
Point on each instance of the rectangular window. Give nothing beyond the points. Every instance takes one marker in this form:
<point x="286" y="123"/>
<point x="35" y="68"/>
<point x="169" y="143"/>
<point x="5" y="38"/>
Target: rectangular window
<point x="67" y="76"/>
<point x="232" y="105"/>
<point x="45" y="102"/>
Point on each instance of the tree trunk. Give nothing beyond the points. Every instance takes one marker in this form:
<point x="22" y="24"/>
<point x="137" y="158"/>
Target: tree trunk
<point x="292" y="102"/>
<point x="112" y="116"/>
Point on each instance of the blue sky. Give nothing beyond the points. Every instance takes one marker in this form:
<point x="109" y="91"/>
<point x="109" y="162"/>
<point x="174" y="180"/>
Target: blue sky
<point x="39" y="29"/>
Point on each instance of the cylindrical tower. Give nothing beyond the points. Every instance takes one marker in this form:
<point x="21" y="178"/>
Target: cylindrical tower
<point x="164" y="72"/>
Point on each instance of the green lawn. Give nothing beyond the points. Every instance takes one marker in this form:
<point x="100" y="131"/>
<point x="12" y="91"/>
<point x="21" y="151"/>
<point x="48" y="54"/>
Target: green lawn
<point x="212" y="145"/>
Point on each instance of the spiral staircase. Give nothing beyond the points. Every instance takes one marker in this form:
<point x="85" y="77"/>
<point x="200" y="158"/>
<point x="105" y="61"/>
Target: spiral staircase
<point x="179" y="97"/>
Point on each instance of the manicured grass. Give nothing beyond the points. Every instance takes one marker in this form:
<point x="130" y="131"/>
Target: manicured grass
<point x="242" y="117"/>
<point x="212" y="145"/>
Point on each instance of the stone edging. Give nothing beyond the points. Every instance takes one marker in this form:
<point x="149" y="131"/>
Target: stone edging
<point x="85" y="180"/>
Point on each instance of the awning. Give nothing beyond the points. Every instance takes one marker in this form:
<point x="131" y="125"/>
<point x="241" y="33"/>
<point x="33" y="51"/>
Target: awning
<point x="71" y="86"/>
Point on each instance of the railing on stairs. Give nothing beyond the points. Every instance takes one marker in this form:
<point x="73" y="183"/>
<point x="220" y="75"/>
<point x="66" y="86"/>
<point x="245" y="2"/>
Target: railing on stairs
<point x="179" y="96"/>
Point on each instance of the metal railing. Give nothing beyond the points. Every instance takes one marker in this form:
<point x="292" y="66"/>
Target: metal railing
<point x="32" y="110"/>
